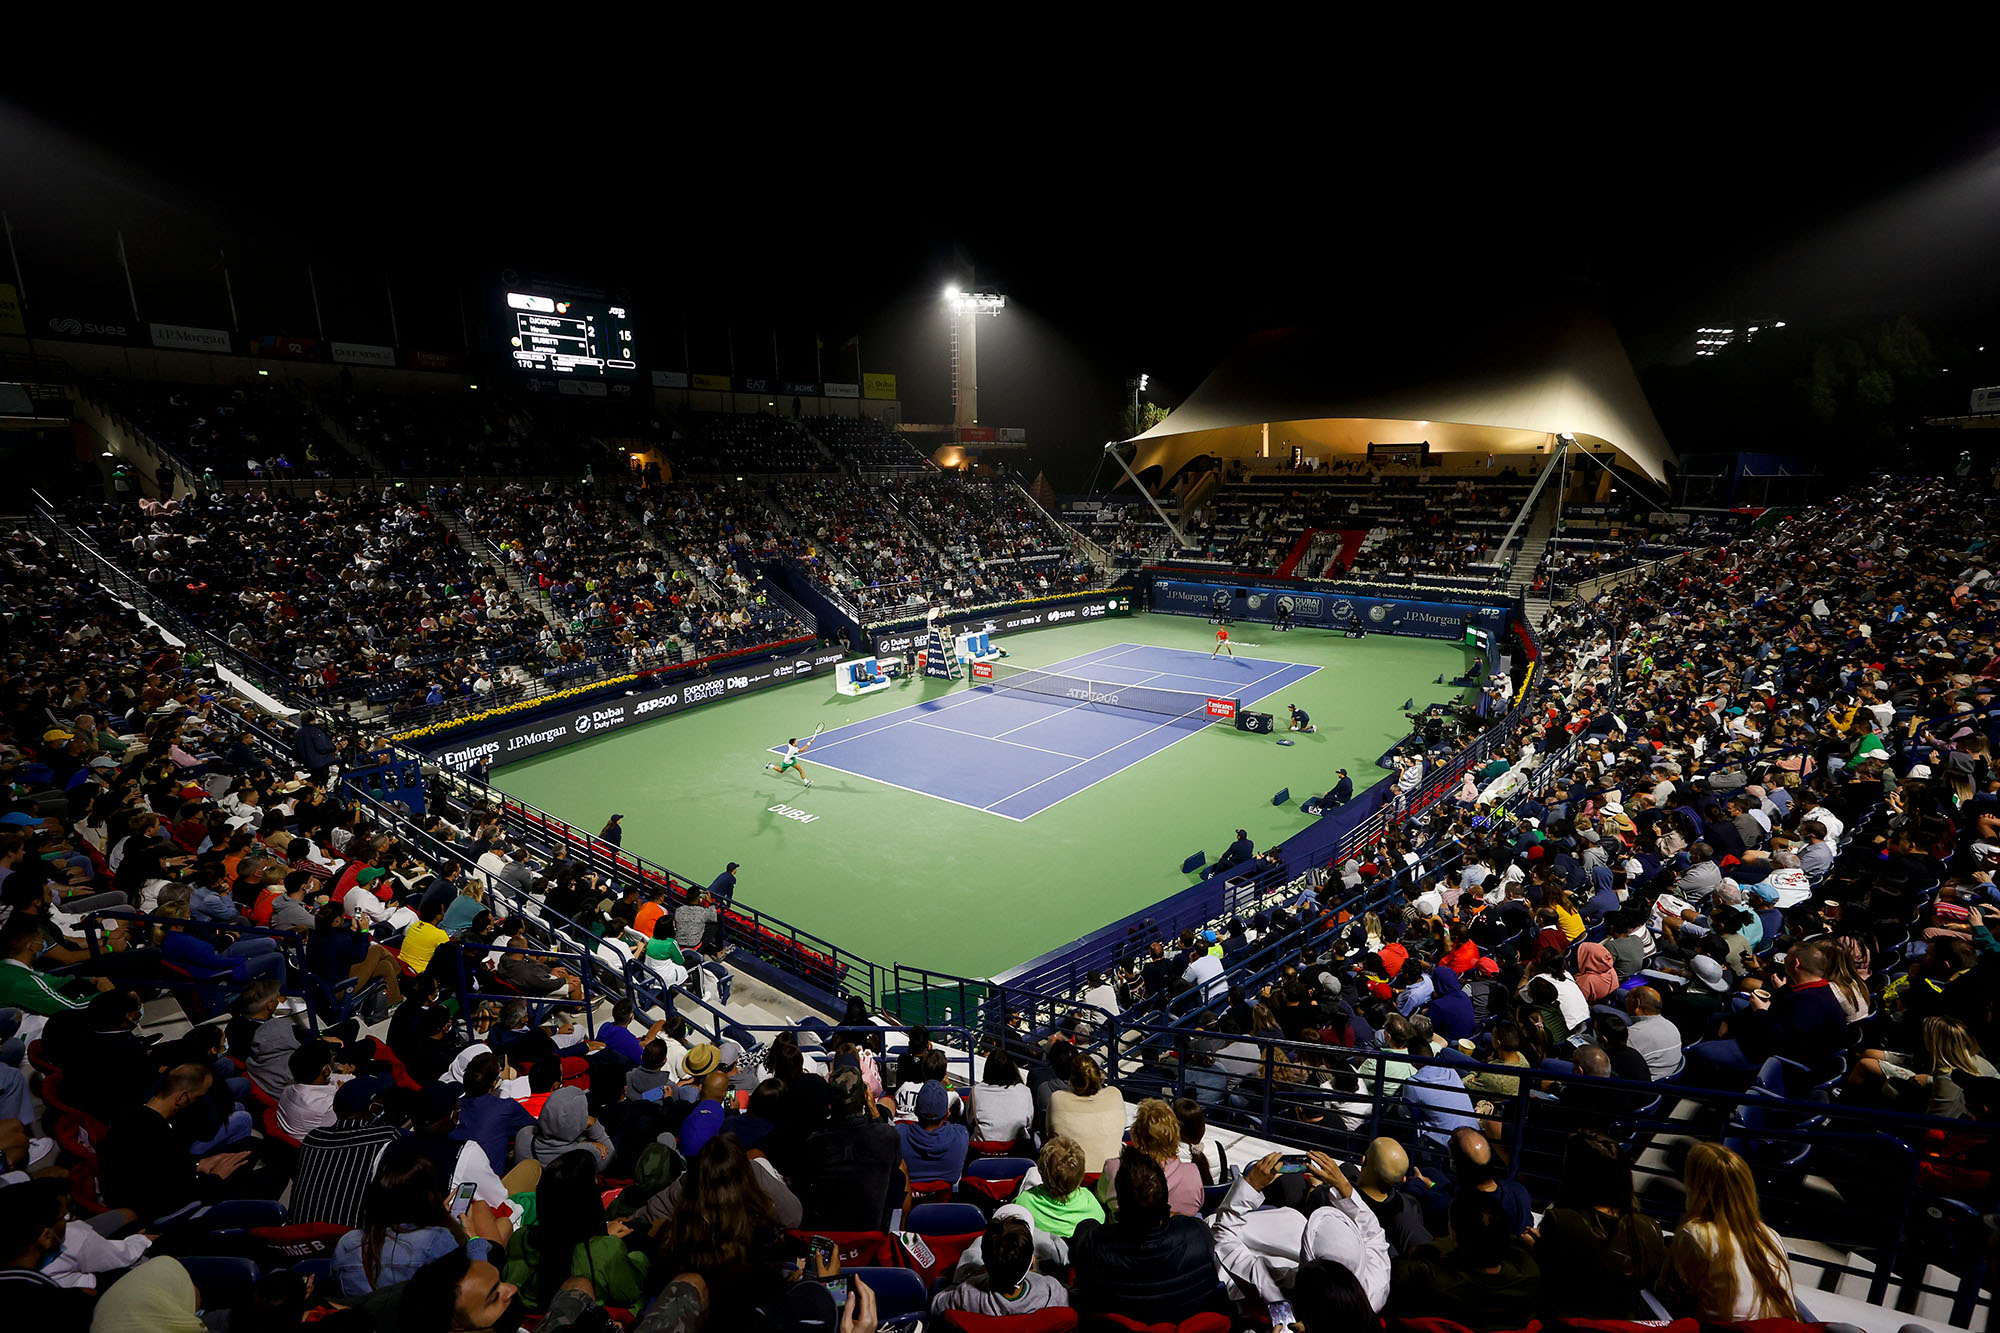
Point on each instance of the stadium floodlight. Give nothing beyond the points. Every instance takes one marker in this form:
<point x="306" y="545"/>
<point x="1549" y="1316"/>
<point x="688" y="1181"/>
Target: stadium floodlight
<point x="975" y="303"/>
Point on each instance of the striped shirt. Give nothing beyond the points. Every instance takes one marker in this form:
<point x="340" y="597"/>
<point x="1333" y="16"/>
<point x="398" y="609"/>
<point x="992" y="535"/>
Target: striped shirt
<point x="335" y="1166"/>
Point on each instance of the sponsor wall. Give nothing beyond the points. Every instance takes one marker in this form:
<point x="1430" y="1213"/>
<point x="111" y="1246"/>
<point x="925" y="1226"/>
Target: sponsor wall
<point x="595" y="717"/>
<point x="1008" y="622"/>
<point x="1326" y="610"/>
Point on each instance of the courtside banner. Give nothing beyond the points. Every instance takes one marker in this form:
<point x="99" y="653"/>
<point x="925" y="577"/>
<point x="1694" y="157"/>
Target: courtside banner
<point x="982" y="671"/>
<point x="1087" y="606"/>
<point x="1223" y="708"/>
<point x="594" y="717"/>
<point x="1326" y="610"/>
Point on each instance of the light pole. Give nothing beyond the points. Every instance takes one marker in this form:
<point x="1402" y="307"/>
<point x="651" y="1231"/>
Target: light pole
<point x="1137" y="385"/>
<point x="966" y="307"/>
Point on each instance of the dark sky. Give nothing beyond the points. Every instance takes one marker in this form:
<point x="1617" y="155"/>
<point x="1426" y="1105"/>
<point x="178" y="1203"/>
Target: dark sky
<point x="1147" y="236"/>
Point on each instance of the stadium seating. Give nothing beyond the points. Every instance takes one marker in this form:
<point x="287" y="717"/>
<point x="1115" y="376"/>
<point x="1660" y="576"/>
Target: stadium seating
<point x="1782" y="747"/>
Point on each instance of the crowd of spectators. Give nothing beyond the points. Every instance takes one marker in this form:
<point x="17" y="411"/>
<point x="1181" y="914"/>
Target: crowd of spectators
<point x="256" y="430"/>
<point x="601" y="575"/>
<point x="866" y="444"/>
<point x="941" y="540"/>
<point x="737" y="442"/>
<point x="1415" y="524"/>
<point x="1767" y="861"/>
<point x="462" y="433"/>
<point x="363" y="595"/>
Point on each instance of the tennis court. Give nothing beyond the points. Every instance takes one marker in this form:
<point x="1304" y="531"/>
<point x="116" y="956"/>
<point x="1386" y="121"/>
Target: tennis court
<point x="896" y="874"/>
<point x="1021" y="744"/>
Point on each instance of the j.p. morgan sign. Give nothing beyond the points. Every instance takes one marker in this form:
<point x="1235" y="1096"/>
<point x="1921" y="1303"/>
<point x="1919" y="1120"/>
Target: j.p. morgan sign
<point x="601" y="717"/>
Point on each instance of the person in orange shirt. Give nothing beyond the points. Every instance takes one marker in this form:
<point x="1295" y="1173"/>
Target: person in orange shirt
<point x="650" y="911"/>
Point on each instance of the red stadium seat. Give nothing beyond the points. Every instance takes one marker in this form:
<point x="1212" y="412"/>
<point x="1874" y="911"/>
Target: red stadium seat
<point x="1061" y="1319"/>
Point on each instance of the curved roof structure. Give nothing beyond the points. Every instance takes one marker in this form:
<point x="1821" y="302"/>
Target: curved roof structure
<point x="1508" y="381"/>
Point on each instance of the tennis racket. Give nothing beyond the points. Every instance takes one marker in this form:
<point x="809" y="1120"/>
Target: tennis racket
<point x="817" y="730"/>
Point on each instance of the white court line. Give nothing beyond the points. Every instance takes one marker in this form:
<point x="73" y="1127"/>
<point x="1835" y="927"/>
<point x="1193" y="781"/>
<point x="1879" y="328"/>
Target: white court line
<point x="981" y="736"/>
<point x="974" y="695"/>
<point x="1309" y="670"/>
<point x="914" y="791"/>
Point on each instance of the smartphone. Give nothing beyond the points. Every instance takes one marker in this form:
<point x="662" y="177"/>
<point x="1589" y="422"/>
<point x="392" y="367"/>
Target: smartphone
<point x="462" y="1197"/>
<point x="836" y="1287"/>
<point x="1294" y="1164"/>
<point x="823" y="1251"/>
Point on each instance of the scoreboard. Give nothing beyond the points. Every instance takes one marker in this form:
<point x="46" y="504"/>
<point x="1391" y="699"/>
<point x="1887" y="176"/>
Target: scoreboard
<point x="570" y="338"/>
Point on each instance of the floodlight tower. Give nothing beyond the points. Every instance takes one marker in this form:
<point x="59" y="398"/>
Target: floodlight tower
<point x="966" y="308"/>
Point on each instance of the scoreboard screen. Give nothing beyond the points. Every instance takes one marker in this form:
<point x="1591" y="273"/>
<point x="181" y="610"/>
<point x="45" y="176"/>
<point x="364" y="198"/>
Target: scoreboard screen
<point x="570" y="339"/>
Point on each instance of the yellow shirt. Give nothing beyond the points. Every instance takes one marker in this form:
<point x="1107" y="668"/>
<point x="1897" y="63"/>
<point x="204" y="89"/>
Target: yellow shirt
<point x="420" y="941"/>
<point x="1571" y="922"/>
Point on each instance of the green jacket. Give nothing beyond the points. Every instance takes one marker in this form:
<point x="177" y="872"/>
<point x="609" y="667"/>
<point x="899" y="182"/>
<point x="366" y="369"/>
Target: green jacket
<point x="618" y="1274"/>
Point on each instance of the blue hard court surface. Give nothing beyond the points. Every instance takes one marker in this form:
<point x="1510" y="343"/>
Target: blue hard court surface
<point x="1014" y="754"/>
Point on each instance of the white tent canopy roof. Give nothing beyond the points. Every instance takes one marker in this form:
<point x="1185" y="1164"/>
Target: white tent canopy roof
<point x="1551" y="372"/>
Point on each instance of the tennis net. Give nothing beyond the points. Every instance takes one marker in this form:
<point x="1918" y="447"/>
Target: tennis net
<point x="1000" y="678"/>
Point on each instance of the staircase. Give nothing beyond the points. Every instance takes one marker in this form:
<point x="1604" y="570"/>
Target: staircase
<point x="331" y="426"/>
<point x="479" y="549"/>
<point x="832" y="458"/>
<point x="1529" y="554"/>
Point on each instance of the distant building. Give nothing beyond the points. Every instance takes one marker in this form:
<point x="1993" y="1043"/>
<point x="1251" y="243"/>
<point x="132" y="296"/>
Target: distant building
<point x="1709" y="341"/>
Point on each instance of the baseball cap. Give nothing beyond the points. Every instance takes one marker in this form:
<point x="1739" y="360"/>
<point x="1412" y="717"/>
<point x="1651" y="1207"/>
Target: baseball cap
<point x="933" y="1102"/>
<point x="730" y="1053"/>
<point x="370" y="875"/>
<point x="731" y="868"/>
<point x="701" y="1059"/>
<point x="1208" y="937"/>
<point x="104" y="761"/>
<point x="1918" y="771"/>
<point x="849" y="1088"/>
<point x="1709" y="974"/>
<point x="357" y="1094"/>
<point x="57" y="736"/>
<point x="18" y="820"/>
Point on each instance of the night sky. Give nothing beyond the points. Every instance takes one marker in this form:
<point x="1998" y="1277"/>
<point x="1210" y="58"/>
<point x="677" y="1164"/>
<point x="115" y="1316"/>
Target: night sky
<point x="1150" y="236"/>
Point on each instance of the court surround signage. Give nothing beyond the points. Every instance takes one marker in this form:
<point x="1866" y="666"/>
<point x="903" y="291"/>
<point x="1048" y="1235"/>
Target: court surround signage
<point x="599" y="718"/>
<point x="1327" y="610"/>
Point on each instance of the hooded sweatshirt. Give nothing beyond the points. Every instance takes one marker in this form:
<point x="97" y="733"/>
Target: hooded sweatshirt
<point x="1596" y="971"/>
<point x="1450" y="1008"/>
<point x="563" y="1126"/>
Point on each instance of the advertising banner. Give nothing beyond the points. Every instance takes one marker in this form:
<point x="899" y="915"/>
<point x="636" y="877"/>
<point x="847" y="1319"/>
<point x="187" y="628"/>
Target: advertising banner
<point x="982" y="671"/>
<point x="756" y="384"/>
<point x="1011" y="434"/>
<point x="11" y="320"/>
<point x="418" y="359"/>
<point x="276" y="344"/>
<point x="716" y="382"/>
<point x="878" y="386"/>
<point x="1222" y="708"/>
<point x="800" y="388"/>
<point x="975" y="434"/>
<point x="364" y="354"/>
<point x="101" y="331"/>
<point x="841" y="390"/>
<point x="670" y="379"/>
<point x="1323" y="610"/>
<point x="894" y="641"/>
<point x="186" y="338"/>
<point x="596" y="717"/>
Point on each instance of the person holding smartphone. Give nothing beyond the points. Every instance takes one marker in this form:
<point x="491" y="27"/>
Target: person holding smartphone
<point x="1263" y="1250"/>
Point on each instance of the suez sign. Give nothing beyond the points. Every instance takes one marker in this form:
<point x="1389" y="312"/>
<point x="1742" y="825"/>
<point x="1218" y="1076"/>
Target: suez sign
<point x="531" y="738"/>
<point x="886" y="644"/>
